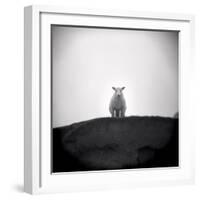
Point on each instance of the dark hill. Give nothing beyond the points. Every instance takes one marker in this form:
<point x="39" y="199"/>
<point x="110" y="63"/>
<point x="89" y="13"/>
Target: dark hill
<point x="116" y="143"/>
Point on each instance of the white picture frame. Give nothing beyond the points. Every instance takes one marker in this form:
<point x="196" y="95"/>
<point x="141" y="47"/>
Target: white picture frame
<point x="37" y="138"/>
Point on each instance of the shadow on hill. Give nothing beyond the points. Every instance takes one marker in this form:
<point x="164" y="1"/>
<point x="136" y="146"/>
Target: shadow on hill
<point x="116" y="143"/>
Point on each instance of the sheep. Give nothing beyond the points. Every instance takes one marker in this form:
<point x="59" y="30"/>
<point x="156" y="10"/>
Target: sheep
<point x="117" y="105"/>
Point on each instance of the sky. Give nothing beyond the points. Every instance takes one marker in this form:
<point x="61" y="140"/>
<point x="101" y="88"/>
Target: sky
<point x="88" y="62"/>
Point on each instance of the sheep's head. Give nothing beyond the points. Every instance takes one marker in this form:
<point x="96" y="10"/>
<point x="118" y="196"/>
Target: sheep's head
<point x="118" y="90"/>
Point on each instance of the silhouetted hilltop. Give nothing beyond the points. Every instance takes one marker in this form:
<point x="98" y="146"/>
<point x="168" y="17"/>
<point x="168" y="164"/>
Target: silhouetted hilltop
<point x="116" y="143"/>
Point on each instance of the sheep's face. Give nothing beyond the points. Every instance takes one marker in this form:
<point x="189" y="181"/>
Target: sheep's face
<point x="118" y="90"/>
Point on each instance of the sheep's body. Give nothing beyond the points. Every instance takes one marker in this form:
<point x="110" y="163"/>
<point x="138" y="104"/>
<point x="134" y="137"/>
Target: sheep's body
<point x="117" y="106"/>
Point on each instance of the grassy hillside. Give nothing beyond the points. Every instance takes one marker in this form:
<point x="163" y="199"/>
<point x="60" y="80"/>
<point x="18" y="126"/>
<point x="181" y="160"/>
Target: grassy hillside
<point x="116" y="143"/>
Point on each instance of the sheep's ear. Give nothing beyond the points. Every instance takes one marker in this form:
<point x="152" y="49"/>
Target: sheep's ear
<point x="123" y="88"/>
<point x="113" y="88"/>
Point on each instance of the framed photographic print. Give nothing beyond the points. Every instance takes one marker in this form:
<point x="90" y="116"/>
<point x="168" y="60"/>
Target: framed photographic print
<point x="107" y="99"/>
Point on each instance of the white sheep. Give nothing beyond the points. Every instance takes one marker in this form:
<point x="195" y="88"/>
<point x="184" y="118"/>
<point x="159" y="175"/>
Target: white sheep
<point x="117" y="106"/>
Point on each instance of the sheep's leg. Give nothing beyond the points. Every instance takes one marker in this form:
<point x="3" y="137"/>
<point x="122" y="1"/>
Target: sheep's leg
<point x="115" y="113"/>
<point x="120" y="113"/>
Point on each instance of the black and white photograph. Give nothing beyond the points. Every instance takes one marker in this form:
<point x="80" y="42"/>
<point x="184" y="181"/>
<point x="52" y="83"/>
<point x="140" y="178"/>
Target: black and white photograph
<point x="114" y="98"/>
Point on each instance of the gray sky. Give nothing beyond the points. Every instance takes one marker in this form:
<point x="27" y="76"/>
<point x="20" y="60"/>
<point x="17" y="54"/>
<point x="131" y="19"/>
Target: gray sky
<point x="87" y="62"/>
